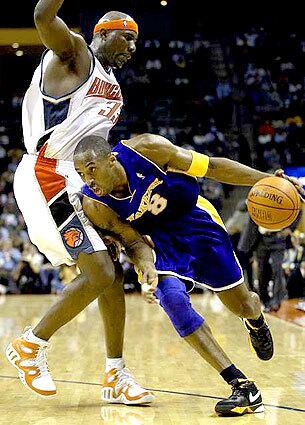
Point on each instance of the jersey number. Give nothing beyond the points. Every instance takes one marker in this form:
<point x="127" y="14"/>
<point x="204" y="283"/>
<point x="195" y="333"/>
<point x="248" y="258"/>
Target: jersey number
<point x="157" y="204"/>
<point x="111" y="110"/>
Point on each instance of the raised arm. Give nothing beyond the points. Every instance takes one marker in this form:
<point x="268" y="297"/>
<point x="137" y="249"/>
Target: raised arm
<point x="54" y="33"/>
<point x="136" y="248"/>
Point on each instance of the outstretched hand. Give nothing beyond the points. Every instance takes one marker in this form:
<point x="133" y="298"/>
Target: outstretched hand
<point x="293" y="180"/>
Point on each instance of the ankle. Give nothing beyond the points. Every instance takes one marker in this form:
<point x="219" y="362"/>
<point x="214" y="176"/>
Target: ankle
<point x="30" y="336"/>
<point x="114" y="363"/>
<point x="257" y="323"/>
<point x="231" y="373"/>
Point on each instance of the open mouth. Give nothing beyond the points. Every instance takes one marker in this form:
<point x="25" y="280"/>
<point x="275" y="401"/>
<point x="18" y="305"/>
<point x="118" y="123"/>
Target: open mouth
<point x="96" y="190"/>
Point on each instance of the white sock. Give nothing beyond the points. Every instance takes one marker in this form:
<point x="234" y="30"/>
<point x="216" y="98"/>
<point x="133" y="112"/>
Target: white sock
<point x="116" y="362"/>
<point x="30" y="337"/>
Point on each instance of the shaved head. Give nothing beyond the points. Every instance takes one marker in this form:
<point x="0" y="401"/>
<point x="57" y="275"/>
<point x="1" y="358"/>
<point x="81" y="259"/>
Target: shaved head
<point x="92" y="146"/>
<point x="97" y="165"/>
<point x="113" y="15"/>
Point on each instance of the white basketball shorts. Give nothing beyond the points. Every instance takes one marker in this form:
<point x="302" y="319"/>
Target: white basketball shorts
<point x="47" y="193"/>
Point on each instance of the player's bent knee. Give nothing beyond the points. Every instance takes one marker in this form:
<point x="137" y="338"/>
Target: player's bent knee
<point x="98" y="267"/>
<point x="176" y="304"/>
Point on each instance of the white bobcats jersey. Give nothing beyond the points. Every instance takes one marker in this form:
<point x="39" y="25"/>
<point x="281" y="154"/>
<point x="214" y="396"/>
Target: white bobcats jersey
<point x="93" y="108"/>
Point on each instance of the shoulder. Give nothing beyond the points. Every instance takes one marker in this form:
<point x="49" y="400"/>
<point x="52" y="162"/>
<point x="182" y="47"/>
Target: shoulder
<point x="153" y="146"/>
<point x="147" y="141"/>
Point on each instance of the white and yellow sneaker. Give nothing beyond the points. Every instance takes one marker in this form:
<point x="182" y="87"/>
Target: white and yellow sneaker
<point x="119" y="386"/>
<point x="29" y="358"/>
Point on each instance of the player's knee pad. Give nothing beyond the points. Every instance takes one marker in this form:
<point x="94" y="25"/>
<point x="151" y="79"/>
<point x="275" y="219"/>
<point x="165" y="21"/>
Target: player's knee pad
<point x="176" y="303"/>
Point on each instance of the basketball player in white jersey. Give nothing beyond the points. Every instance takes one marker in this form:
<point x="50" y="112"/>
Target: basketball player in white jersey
<point x="74" y="93"/>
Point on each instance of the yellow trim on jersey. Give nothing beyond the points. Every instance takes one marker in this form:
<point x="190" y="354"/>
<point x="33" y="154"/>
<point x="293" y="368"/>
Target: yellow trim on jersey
<point x="205" y="205"/>
<point x="199" y="165"/>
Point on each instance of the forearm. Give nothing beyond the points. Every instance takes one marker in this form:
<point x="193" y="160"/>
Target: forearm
<point x="46" y="10"/>
<point x="140" y="254"/>
<point x="106" y="219"/>
<point x="231" y="172"/>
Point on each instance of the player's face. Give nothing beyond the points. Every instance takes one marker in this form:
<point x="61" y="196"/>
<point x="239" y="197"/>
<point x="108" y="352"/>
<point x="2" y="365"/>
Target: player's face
<point x="117" y="47"/>
<point x="98" y="174"/>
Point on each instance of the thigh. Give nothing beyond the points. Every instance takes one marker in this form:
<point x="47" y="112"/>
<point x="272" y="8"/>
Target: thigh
<point x="42" y="229"/>
<point x="56" y="224"/>
<point x="198" y="249"/>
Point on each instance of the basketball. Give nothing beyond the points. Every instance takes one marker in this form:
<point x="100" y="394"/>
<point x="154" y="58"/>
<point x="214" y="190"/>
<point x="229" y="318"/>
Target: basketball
<point x="273" y="203"/>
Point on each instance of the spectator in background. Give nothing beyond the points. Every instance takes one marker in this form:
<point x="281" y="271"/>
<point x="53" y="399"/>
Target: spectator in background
<point x="270" y="251"/>
<point x="223" y="88"/>
<point x="269" y="248"/>
<point x="296" y="282"/>
<point x="213" y="192"/>
<point x="9" y="258"/>
<point x="235" y="225"/>
<point x="295" y="253"/>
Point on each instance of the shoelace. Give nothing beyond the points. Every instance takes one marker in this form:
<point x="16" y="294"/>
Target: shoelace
<point x="41" y="361"/>
<point x="238" y="388"/>
<point x="261" y="336"/>
<point x="124" y="378"/>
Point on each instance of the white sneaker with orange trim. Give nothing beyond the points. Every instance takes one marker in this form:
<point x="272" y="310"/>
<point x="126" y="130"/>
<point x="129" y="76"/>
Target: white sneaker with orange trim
<point x="120" y="387"/>
<point x="30" y="360"/>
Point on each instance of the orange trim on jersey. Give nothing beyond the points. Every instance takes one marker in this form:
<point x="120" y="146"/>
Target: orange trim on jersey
<point x="116" y="24"/>
<point x="50" y="182"/>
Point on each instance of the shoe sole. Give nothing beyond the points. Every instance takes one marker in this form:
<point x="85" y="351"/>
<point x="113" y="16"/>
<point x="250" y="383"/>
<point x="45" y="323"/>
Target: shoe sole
<point x="107" y="396"/>
<point x="240" y="411"/>
<point x="12" y="356"/>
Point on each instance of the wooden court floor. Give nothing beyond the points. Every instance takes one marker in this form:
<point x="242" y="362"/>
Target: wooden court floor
<point x="186" y="388"/>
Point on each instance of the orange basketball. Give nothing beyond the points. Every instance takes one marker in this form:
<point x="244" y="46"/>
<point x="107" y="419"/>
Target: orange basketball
<point x="273" y="203"/>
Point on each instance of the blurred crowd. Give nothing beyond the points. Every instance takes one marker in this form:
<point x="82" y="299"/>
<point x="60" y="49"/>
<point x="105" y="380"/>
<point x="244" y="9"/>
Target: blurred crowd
<point x="272" y="67"/>
<point x="241" y="96"/>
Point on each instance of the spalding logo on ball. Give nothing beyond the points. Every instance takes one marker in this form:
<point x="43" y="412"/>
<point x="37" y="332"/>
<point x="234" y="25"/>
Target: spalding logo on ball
<point x="273" y="203"/>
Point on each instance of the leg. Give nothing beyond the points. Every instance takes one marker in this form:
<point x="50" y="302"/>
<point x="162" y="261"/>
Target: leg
<point x="246" y="305"/>
<point x="279" y="290"/>
<point x="112" y="309"/>
<point x="203" y="341"/>
<point x="27" y="353"/>
<point x="263" y="275"/>
<point x="111" y="305"/>
<point x="241" y="301"/>
<point x="191" y="326"/>
<point x="82" y="291"/>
